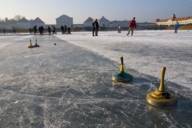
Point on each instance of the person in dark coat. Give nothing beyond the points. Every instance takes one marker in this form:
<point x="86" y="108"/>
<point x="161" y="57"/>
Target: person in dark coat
<point x="93" y="29"/>
<point x="69" y="30"/>
<point x="49" y="30"/>
<point x="96" y="27"/>
<point x="54" y="30"/>
<point x="62" y="29"/>
<point x="132" y="26"/>
<point x="41" y="30"/>
<point x="35" y="29"/>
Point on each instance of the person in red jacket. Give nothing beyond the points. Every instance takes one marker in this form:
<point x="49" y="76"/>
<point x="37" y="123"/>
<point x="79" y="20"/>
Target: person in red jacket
<point x="132" y="26"/>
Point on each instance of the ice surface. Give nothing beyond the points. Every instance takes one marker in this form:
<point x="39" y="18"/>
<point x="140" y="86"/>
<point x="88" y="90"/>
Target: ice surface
<point x="146" y="51"/>
<point x="66" y="86"/>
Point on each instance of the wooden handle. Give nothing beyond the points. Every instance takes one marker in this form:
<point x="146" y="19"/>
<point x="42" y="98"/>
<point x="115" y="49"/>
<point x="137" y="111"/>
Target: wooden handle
<point x="162" y="80"/>
<point x="122" y="63"/>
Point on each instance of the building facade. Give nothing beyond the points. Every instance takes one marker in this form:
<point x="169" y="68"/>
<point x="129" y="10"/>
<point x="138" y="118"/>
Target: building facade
<point x="21" y="24"/>
<point x="172" y="21"/>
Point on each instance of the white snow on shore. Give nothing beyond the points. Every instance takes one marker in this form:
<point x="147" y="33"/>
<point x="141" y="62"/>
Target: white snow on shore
<point x="146" y="51"/>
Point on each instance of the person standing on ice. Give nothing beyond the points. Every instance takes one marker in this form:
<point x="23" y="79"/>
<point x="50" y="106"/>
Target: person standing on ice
<point x="69" y="30"/>
<point x="35" y="29"/>
<point x="132" y="26"/>
<point x="54" y="30"/>
<point x="177" y="25"/>
<point x="93" y="29"/>
<point x="96" y="27"/>
<point x="41" y="30"/>
<point x="62" y="29"/>
<point x="49" y="30"/>
<point x="119" y="29"/>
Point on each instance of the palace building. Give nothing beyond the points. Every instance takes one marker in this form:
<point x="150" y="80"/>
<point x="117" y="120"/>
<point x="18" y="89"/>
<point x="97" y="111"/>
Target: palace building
<point x="173" y="20"/>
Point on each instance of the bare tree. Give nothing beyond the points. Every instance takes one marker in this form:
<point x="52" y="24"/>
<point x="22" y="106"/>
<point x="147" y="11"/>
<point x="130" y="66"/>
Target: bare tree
<point x="18" y="17"/>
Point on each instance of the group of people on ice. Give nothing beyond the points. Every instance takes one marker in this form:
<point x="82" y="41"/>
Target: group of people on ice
<point x="50" y="29"/>
<point x="131" y="25"/>
<point x="41" y="30"/>
<point x="65" y="29"/>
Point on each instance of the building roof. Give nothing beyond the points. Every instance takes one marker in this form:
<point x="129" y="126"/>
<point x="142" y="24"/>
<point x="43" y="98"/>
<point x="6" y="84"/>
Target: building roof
<point x="38" y="20"/>
<point x="103" y="19"/>
<point x="63" y="16"/>
<point x="89" y="19"/>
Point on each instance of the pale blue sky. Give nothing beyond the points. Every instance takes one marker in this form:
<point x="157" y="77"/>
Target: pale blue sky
<point x="48" y="10"/>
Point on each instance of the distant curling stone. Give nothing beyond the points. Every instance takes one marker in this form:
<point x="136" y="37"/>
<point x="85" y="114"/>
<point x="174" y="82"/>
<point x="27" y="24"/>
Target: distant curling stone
<point x="161" y="97"/>
<point x="30" y="45"/>
<point x="36" y="45"/>
<point x="122" y="76"/>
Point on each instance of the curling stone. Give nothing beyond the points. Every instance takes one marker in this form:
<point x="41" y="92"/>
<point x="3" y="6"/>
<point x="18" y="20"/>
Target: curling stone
<point x="30" y="45"/>
<point x="160" y="96"/>
<point x="122" y="76"/>
<point x="36" y="45"/>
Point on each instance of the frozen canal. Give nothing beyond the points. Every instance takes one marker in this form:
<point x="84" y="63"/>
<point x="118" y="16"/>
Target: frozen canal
<point x="67" y="86"/>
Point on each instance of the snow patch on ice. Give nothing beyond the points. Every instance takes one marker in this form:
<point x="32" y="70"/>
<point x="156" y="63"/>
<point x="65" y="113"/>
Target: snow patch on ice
<point x="146" y="51"/>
